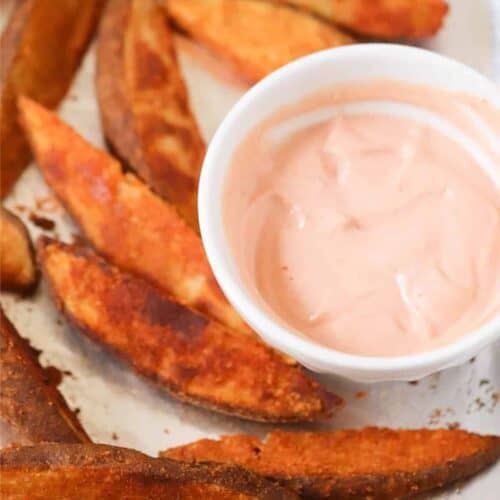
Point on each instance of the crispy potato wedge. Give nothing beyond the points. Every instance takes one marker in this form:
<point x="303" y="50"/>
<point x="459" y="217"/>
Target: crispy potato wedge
<point x="95" y="472"/>
<point x="370" y="463"/>
<point x="127" y="223"/>
<point x="389" y="19"/>
<point x="32" y="410"/>
<point x="257" y="37"/>
<point x="18" y="270"/>
<point x="40" y="50"/>
<point x="186" y="354"/>
<point x="144" y="102"/>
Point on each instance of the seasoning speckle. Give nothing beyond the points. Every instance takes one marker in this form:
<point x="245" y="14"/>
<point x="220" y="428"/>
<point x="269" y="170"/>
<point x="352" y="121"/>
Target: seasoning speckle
<point x="361" y="394"/>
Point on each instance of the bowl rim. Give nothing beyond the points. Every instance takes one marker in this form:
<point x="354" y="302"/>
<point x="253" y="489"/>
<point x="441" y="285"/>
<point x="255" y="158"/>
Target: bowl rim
<point x="272" y="331"/>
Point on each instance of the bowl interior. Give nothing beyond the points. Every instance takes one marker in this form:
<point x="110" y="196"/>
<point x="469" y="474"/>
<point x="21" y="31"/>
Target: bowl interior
<point x="290" y="85"/>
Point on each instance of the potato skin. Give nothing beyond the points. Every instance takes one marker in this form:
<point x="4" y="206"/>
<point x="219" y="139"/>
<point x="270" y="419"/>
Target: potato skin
<point x="255" y="36"/>
<point x="370" y="463"/>
<point x="31" y="410"/>
<point x="123" y="219"/>
<point x="144" y="102"/>
<point x="189" y="356"/>
<point x="18" y="271"/>
<point x="40" y="50"/>
<point x="387" y="19"/>
<point x="94" y="472"/>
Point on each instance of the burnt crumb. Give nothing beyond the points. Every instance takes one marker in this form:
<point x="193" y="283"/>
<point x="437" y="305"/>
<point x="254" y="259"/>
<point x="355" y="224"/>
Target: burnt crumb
<point x="438" y="413"/>
<point x="480" y="403"/>
<point x="53" y="376"/>
<point x="67" y="373"/>
<point x="484" y="381"/>
<point x="361" y="394"/>
<point x="453" y="426"/>
<point x="435" y="416"/>
<point x="413" y="382"/>
<point x="471" y="360"/>
<point x="77" y="411"/>
<point x="59" y="321"/>
<point x="114" y="436"/>
<point x="477" y="405"/>
<point x="488" y="402"/>
<point x="42" y="222"/>
<point x="256" y="451"/>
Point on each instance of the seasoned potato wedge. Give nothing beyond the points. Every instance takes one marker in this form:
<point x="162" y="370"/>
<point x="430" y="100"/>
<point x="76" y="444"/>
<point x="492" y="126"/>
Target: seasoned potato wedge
<point x="144" y="103"/>
<point x="18" y="270"/>
<point x="191" y="357"/>
<point x="40" y="50"/>
<point x="389" y="19"/>
<point x="32" y="410"/>
<point x="257" y="37"/>
<point x="96" y="472"/>
<point x="369" y="463"/>
<point x="127" y="223"/>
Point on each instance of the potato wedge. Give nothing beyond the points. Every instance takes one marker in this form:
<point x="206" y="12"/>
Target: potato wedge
<point x="132" y="227"/>
<point x="144" y="102"/>
<point x="40" y="50"/>
<point x="31" y="410"/>
<point x="18" y="270"/>
<point x="257" y="37"/>
<point x="96" y="472"/>
<point x="389" y="19"/>
<point x="189" y="356"/>
<point x="370" y="463"/>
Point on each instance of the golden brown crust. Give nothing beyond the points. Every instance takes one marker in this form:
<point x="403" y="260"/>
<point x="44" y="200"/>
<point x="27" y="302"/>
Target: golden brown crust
<point x="144" y="102"/>
<point x="18" y="270"/>
<point x="390" y="19"/>
<point x="370" y="463"/>
<point x="40" y="51"/>
<point x="191" y="357"/>
<point x="257" y="37"/>
<point x="127" y="223"/>
<point x="31" y="410"/>
<point x="94" y="472"/>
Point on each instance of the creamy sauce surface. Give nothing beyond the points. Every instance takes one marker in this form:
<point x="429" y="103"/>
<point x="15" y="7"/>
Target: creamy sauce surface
<point x="373" y="233"/>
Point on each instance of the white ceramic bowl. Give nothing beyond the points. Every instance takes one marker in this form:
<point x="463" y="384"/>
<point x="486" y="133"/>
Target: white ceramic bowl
<point x="289" y="85"/>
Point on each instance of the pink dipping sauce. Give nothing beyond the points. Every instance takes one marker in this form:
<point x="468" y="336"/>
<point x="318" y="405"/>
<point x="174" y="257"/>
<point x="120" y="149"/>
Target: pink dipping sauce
<point x="373" y="234"/>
